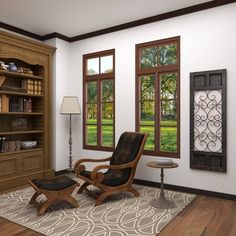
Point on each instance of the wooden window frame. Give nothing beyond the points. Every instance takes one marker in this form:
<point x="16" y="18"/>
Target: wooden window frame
<point x="157" y="71"/>
<point x="99" y="78"/>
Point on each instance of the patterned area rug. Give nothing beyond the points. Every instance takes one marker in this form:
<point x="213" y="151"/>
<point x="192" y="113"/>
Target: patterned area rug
<point x="121" y="215"/>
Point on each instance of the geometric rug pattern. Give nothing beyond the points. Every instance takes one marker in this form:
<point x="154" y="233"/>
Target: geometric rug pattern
<point x="121" y="215"/>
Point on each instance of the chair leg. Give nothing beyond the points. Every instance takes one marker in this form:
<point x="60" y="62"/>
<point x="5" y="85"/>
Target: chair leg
<point x="134" y="191"/>
<point x="102" y="197"/>
<point x="33" y="198"/>
<point x="72" y="201"/>
<point x="44" y="207"/>
<point x="83" y="187"/>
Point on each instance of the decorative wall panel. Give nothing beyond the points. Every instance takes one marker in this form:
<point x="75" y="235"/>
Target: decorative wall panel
<point x="208" y="120"/>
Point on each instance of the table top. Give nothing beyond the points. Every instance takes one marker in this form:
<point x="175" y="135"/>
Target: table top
<point x="164" y="166"/>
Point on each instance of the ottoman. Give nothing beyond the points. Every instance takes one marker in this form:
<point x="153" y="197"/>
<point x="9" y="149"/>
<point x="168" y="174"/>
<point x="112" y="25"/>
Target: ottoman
<point x="55" y="189"/>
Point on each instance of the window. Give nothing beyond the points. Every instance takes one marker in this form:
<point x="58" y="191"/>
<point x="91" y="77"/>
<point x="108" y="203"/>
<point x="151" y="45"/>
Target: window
<point x="98" y="100"/>
<point x="157" y="95"/>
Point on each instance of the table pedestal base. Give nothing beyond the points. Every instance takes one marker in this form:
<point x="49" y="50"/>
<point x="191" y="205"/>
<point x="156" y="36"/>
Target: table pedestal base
<point x="162" y="203"/>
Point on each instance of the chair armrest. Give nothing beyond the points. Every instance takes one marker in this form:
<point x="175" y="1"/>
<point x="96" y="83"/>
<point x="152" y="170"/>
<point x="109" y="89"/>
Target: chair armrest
<point x="78" y="167"/>
<point x="99" y="176"/>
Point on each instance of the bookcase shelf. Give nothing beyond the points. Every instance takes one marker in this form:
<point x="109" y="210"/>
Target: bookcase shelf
<point x="22" y="113"/>
<point x="21" y="151"/>
<point x="21" y="132"/>
<point x="10" y="74"/>
<point x="25" y="102"/>
<point x="20" y="94"/>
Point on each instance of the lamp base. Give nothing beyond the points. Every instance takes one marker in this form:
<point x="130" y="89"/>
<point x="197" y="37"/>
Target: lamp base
<point x="70" y="170"/>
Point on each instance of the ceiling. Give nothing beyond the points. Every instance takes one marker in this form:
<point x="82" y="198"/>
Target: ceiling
<point x="77" y="17"/>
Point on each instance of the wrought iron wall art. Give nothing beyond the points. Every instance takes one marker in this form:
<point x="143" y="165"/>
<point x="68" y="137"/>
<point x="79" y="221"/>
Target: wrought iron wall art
<point x="208" y="120"/>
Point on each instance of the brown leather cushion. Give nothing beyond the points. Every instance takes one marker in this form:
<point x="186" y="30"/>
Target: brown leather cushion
<point x="125" y="152"/>
<point x="54" y="184"/>
<point x="127" y="148"/>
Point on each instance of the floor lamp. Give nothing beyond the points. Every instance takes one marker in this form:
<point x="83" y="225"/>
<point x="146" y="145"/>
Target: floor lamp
<point x="70" y="106"/>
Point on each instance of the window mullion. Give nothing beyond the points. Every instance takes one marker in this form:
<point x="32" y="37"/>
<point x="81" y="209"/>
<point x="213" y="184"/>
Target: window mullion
<point x="99" y="104"/>
<point x="157" y="113"/>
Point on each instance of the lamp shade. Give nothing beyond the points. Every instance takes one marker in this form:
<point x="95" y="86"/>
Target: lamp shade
<point x="70" y="105"/>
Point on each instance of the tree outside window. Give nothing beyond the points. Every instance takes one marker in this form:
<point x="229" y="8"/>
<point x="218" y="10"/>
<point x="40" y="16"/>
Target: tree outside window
<point x="98" y="100"/>
<point x="157" y="95"/>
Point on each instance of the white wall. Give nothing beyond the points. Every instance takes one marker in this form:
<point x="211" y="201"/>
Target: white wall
<point x="60" y="87"/>
<point x="207" y="43"/>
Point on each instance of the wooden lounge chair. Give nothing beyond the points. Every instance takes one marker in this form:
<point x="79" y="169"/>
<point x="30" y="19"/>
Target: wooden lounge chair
<point x="120" y="171"/>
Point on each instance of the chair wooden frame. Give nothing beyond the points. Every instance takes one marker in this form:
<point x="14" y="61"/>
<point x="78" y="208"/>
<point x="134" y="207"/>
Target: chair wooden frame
<point x="53" y="196"/>
<point x="97" y="176"/>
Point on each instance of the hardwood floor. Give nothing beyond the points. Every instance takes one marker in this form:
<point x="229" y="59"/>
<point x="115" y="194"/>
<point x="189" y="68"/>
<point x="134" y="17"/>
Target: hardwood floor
<point x="205" y="216"/>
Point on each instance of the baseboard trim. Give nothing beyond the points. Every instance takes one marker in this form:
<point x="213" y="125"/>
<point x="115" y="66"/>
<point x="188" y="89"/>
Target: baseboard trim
<point x="61" y="172"/>
<point x="174" y="188"/>
<point x="187" y="189"/>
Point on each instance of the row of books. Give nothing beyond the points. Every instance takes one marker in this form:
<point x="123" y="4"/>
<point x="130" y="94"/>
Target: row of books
<point x="32" y="86"/>
<point x="15" y="104"/>
<point x="9" y="145"/>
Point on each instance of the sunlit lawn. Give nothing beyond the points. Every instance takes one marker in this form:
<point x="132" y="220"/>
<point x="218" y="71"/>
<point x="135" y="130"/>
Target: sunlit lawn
<point x="168" y="134"/>
<point x="168" y="139"/>
<point x="107" y="132"/>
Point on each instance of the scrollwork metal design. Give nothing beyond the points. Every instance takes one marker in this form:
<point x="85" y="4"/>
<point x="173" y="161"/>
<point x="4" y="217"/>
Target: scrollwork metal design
<point x="208" y="121"/>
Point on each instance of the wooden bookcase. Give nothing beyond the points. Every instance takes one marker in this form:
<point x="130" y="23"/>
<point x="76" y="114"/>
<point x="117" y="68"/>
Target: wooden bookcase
<point x="25" y="110"/>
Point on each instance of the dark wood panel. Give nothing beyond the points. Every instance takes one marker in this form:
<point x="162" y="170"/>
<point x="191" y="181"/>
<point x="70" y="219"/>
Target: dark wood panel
<point x="208" y="120"/>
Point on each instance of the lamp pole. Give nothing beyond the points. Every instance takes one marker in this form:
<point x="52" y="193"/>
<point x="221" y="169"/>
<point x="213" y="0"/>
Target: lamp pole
<point x="70" y="147"/>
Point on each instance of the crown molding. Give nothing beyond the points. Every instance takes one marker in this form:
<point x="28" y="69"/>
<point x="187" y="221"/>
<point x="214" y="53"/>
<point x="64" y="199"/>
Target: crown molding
<point x="20" y="31"/>
<point x="152" y="19"/>
<point x="56" y="35"/>
<point x="148" y="20"/>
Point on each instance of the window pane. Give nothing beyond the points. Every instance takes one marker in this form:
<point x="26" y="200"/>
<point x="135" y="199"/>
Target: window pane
<point x="168" y="86"/>
<point x="149" y="57"/>
<point x="150" y="143"/>
<point x="91" y="135"/>
<point x="107" y="64"/>
<point x="107" y="90"/>
<point x="91" y="92"/>
<point x="91" y="113"/>
<point x="147" y="115"/>
<point x="168" y="54"/>
<point x="168" y="110"/>
<point x="168" y="139"/>
<point x="107" y="113"/>
<point x="93" y="66"/>
<point x="147" y="87"/>
<point x="107" y="136"/>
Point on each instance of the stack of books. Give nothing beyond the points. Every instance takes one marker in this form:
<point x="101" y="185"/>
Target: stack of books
<point x="2" y="143"/>
<point x="163" y="161"/>
<point x="9" y="145"/>
<point x="4" y="103"/>
<point x="15" y="104"/>
<point x="32" y="86"/>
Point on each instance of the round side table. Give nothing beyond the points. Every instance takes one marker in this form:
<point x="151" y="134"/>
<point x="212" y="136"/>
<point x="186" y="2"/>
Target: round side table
<point x="161" y="202"/>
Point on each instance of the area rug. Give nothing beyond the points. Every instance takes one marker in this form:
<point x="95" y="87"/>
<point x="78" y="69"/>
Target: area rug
<point x="121" y="215"/>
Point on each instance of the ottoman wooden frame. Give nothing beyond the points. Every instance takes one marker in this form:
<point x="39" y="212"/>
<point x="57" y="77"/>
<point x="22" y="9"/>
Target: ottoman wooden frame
<point x="56" y="189"/>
